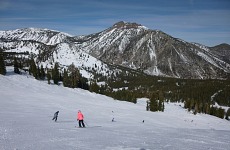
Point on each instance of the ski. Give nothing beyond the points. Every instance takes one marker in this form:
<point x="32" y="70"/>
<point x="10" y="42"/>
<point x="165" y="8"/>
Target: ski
<point x="88" y="127"/>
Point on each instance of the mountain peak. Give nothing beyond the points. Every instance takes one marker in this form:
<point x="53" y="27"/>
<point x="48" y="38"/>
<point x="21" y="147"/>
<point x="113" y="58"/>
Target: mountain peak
<point x="46" y="36"/>
<point x="127" y="25"/>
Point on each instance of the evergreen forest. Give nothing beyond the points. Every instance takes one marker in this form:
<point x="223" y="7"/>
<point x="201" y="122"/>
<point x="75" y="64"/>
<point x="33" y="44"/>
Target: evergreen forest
<point x="198" y="96"/>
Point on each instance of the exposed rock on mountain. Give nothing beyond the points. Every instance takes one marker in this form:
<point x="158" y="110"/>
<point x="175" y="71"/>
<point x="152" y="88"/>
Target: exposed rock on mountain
<point x="154" y="52"/>
<point x="129" y="45"/>
<point x="222" y="50"/>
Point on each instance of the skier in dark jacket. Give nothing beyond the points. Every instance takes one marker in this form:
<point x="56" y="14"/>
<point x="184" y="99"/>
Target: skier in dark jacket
<point x="55" y="116"/>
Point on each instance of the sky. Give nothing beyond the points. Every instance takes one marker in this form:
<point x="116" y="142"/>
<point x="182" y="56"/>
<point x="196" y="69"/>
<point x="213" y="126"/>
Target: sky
<point x="202" y="21"/>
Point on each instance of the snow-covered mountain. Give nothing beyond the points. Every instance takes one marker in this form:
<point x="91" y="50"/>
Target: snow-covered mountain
<point x="156" y="53"/>
<point x="27" y="106"/>
<point x="129" y="45"/>
<point x="46" y="36"/>
<point x="222" y="50"/>
<point x="48" y="46"/>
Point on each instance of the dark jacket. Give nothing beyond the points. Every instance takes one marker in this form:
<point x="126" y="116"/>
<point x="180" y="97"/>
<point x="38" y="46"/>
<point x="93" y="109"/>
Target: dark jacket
<point x="56" y="114"/>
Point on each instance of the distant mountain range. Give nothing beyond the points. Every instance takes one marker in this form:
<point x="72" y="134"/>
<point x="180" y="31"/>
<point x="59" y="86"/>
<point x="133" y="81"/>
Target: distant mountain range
<point x="129" y="45"/>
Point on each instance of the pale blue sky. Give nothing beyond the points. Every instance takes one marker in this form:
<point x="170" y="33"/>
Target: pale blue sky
<point x="202" y="21"/>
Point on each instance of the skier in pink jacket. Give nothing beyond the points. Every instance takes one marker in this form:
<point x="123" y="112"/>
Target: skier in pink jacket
<point x="80" y="119"/>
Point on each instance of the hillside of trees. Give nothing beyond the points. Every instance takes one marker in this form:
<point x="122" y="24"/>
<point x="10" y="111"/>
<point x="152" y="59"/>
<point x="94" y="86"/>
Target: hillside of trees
<point x="198" y="96"/>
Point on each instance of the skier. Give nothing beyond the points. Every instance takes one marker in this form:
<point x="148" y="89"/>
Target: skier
<point x="80" y="119"/>
<point x="55" y="116"/>
<point x="113" y="116"/>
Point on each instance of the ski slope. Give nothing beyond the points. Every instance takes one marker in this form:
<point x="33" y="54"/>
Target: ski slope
<point x="27" y="107"/>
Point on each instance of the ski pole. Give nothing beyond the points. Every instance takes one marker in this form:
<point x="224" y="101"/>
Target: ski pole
<point x="86" y="123"/>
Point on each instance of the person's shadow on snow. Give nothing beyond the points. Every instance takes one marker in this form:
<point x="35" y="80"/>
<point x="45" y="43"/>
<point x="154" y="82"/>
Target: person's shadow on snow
<point x="65" y="121"/>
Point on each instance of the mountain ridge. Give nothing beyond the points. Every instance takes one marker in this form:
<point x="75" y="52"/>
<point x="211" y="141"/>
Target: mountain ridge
<point x="129" y="45"/>
<point x="116" y="45"/>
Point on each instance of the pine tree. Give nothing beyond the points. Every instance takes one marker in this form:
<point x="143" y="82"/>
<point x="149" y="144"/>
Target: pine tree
<point x="20" y="65"/>
<point x="74" y="75"/>
<point x="192" y="104"/>
<point x="66" y="81"/>
<point x="163" y="107"/>
<point x="43" y="74"/>
<point x="220" y="113"/>
<point x="30" y="71"/>
<point x="186" y="103"/>
<point x="153" y="103"/>
<point x="212" y="111"/>
<point x="60" y="77"/>
<point x="55" y="73"/>
<point x="196" y="108"/>
<point x="200" y="108"/>
<point x="85" y="84"/>
<point x="2" y="64"/>
<point x="161" y="101"/>
<point x="147" y="105"/>
<point x="48" y="77"/>
<point x="94" y="87"/>
<point x="16" y="66"/>
<point x="33" y="69"/>
<point x="207" y="108"/>
<point x="227" y="114"/>
<point x="38" y="72"/>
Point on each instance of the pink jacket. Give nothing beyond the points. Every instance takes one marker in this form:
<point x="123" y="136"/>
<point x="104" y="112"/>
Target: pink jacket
<point x="80" y="116"/>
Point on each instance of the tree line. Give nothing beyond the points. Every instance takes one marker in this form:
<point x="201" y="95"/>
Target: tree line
<point x="198" y="96"/>
<point x="2" y="63"/>
<point x="70" y="77"/>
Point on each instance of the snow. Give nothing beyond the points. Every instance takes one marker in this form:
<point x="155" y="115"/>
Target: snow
<point x="46" y="36"/>
<point x="124" y="42"/>
<point x="211" y="58"/>
<point x="27" y="107"/>
<point x="201" y="46"/>
<point x="207" y="58"/>
<point x="180" y="55"/>
<point x="21" y="47"/>
<point x="152" y="50"/>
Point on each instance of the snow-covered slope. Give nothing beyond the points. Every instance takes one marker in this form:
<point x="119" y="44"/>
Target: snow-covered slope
<point x="46" y="36"/>
<point x="50" y="46"/>
<point x="66" y="54"/>
<point x="27" y="107"/>
<point x="63" y="53"/>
